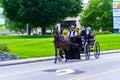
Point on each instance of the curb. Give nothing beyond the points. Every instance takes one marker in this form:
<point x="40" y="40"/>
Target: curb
<point x="31" y="60"/>
<point x="24" y="61"/>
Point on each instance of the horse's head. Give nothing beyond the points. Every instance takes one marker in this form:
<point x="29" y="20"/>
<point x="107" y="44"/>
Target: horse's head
<point x="56" y="32"/>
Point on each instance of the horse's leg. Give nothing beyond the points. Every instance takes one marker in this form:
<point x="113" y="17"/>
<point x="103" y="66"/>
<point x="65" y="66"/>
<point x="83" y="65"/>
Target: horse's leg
<point x="55" y="55"/>
<point x="80" y="55"/>
<point x="58" y="56"/>
<point x="66" y="52"/>
<point x="61" y="54"/>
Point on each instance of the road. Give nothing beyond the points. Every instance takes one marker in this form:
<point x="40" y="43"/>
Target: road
<point x="107" y="67"/>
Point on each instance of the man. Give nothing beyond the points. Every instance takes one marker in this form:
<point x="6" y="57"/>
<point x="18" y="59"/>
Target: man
<point x="73" y="52"/>
<point x="72" y="33"/>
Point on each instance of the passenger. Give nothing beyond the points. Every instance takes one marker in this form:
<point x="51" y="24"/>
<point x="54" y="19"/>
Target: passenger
<point x="83" y="36"/>
<point x="90" y="35"/>
<point x="83" y="33"/>
<point x="88" y="31"/>
<point x="78" y="31"/>
<point x="65" y="32"/>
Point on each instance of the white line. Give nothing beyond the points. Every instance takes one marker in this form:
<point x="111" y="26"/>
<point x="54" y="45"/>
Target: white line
<point x="94" y="75"/>
<point x="64" y="71"/>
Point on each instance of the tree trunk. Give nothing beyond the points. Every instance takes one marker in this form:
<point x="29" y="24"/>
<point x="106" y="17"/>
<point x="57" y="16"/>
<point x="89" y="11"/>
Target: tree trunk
<point x="43" y="30"/>
<point x="28" y="29"/>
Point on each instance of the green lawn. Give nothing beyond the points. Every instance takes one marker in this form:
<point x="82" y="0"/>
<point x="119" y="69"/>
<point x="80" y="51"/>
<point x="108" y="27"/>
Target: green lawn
<point x="109" y="42"/>
<point x="34" y="46"/>
<point x="27" y="46"/>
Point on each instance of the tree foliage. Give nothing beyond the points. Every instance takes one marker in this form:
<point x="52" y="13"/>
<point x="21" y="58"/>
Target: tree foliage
<point x="11" y="25"/>
<point x="98" y="13"/>
<point x="40" y="12"/>
<point x="1" y="3"/>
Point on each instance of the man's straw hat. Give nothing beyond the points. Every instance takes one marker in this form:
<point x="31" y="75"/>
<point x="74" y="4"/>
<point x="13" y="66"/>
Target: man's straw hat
<point x="72" y="26"/>
<point x="88" y="28"/>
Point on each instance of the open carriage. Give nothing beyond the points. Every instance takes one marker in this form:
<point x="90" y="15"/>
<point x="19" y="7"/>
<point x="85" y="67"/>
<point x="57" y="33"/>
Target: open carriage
<point x="73" y="50"/>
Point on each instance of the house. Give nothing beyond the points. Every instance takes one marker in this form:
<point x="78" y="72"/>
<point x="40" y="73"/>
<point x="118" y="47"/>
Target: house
<point x="68" y="22"/>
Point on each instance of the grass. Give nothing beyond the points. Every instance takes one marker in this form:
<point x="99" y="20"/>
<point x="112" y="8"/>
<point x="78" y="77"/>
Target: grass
<point x="39" y="46"/>
<point x="109" y="42"/>
<point x="29" y="46"/>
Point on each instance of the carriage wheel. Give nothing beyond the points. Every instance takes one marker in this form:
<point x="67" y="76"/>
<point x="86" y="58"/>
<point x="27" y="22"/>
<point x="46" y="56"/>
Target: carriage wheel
<point x="87" y="51"/>
<point x="96" y="50"/>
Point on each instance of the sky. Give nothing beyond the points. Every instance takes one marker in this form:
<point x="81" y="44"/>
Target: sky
<point x="85" y="1"/>
<point x="2" y="19"/>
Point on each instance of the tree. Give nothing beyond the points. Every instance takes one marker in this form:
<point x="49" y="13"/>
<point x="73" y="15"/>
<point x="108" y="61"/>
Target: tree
<point x="11" y="25"/>
<point x="97" y="14"/>
<point x="1" y="3"/>
<point x="40" y="12"/>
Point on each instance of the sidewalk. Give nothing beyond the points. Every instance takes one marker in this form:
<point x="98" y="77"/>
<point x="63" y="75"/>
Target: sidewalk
<point x="30" y="60"/>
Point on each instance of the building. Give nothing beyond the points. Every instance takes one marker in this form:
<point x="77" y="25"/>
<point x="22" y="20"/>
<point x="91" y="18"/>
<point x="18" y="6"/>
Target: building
<point x="2" y="21"/>
<point x="68" y="22"/>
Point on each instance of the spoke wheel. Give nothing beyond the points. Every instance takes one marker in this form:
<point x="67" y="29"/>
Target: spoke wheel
<point x="87" y="51"/>
<point x="96" y="50"/>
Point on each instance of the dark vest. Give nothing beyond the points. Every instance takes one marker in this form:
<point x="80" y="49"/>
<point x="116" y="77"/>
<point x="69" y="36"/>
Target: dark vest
<point x="73" y="33"/>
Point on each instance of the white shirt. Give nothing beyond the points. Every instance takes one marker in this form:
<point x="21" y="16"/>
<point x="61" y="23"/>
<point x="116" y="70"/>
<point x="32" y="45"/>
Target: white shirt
<point x="87" y="32"/>
<point x="72" y="33"/>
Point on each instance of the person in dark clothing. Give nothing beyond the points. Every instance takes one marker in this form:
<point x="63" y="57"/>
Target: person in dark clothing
<point x="88" y="31"/>
<point x="90" y="35"/>
<point x="83" y="36"/>
<point x="73" y="52"/>
<point x="83" y="33"/>
<point x="87" y="34"/>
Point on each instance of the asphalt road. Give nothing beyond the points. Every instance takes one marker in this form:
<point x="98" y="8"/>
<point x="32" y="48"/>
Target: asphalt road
<point x="107" y="67"/>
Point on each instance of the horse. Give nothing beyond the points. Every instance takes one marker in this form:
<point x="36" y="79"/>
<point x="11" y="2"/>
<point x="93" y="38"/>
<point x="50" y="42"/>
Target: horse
<point x="61" y="43"/>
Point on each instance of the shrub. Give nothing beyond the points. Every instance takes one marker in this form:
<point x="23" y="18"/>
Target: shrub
<point x="104" y="32"/>
<point x="3" y="47"/>
<point x="25" y="36"/>
<point x="65" y="32"/>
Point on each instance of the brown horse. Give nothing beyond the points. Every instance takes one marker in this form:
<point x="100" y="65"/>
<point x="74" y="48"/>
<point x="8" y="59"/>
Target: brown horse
<point x="61" y="43"/>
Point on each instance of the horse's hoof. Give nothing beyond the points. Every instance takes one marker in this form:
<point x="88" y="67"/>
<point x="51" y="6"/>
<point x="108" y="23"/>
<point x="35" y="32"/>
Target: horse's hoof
<point x="59" y="59"/>
<point x="66" y="60"/>
<point x="55" y="62"/>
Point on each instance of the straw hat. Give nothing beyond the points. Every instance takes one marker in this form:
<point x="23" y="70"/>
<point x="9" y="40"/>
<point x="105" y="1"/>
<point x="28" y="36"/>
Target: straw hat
<point x="88" y="28"/>
<point x="72" y="27"/>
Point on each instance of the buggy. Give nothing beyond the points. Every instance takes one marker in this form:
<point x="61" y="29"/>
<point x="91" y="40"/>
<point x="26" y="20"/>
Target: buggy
<point x="79" y="45"/>
<point x="85" y="46"/>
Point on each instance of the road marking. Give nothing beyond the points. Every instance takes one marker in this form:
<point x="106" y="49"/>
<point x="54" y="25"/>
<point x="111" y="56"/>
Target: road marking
<point x="52" y="67"/>
<point x="64" y="71"/>
<point x="93" y="75"/>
